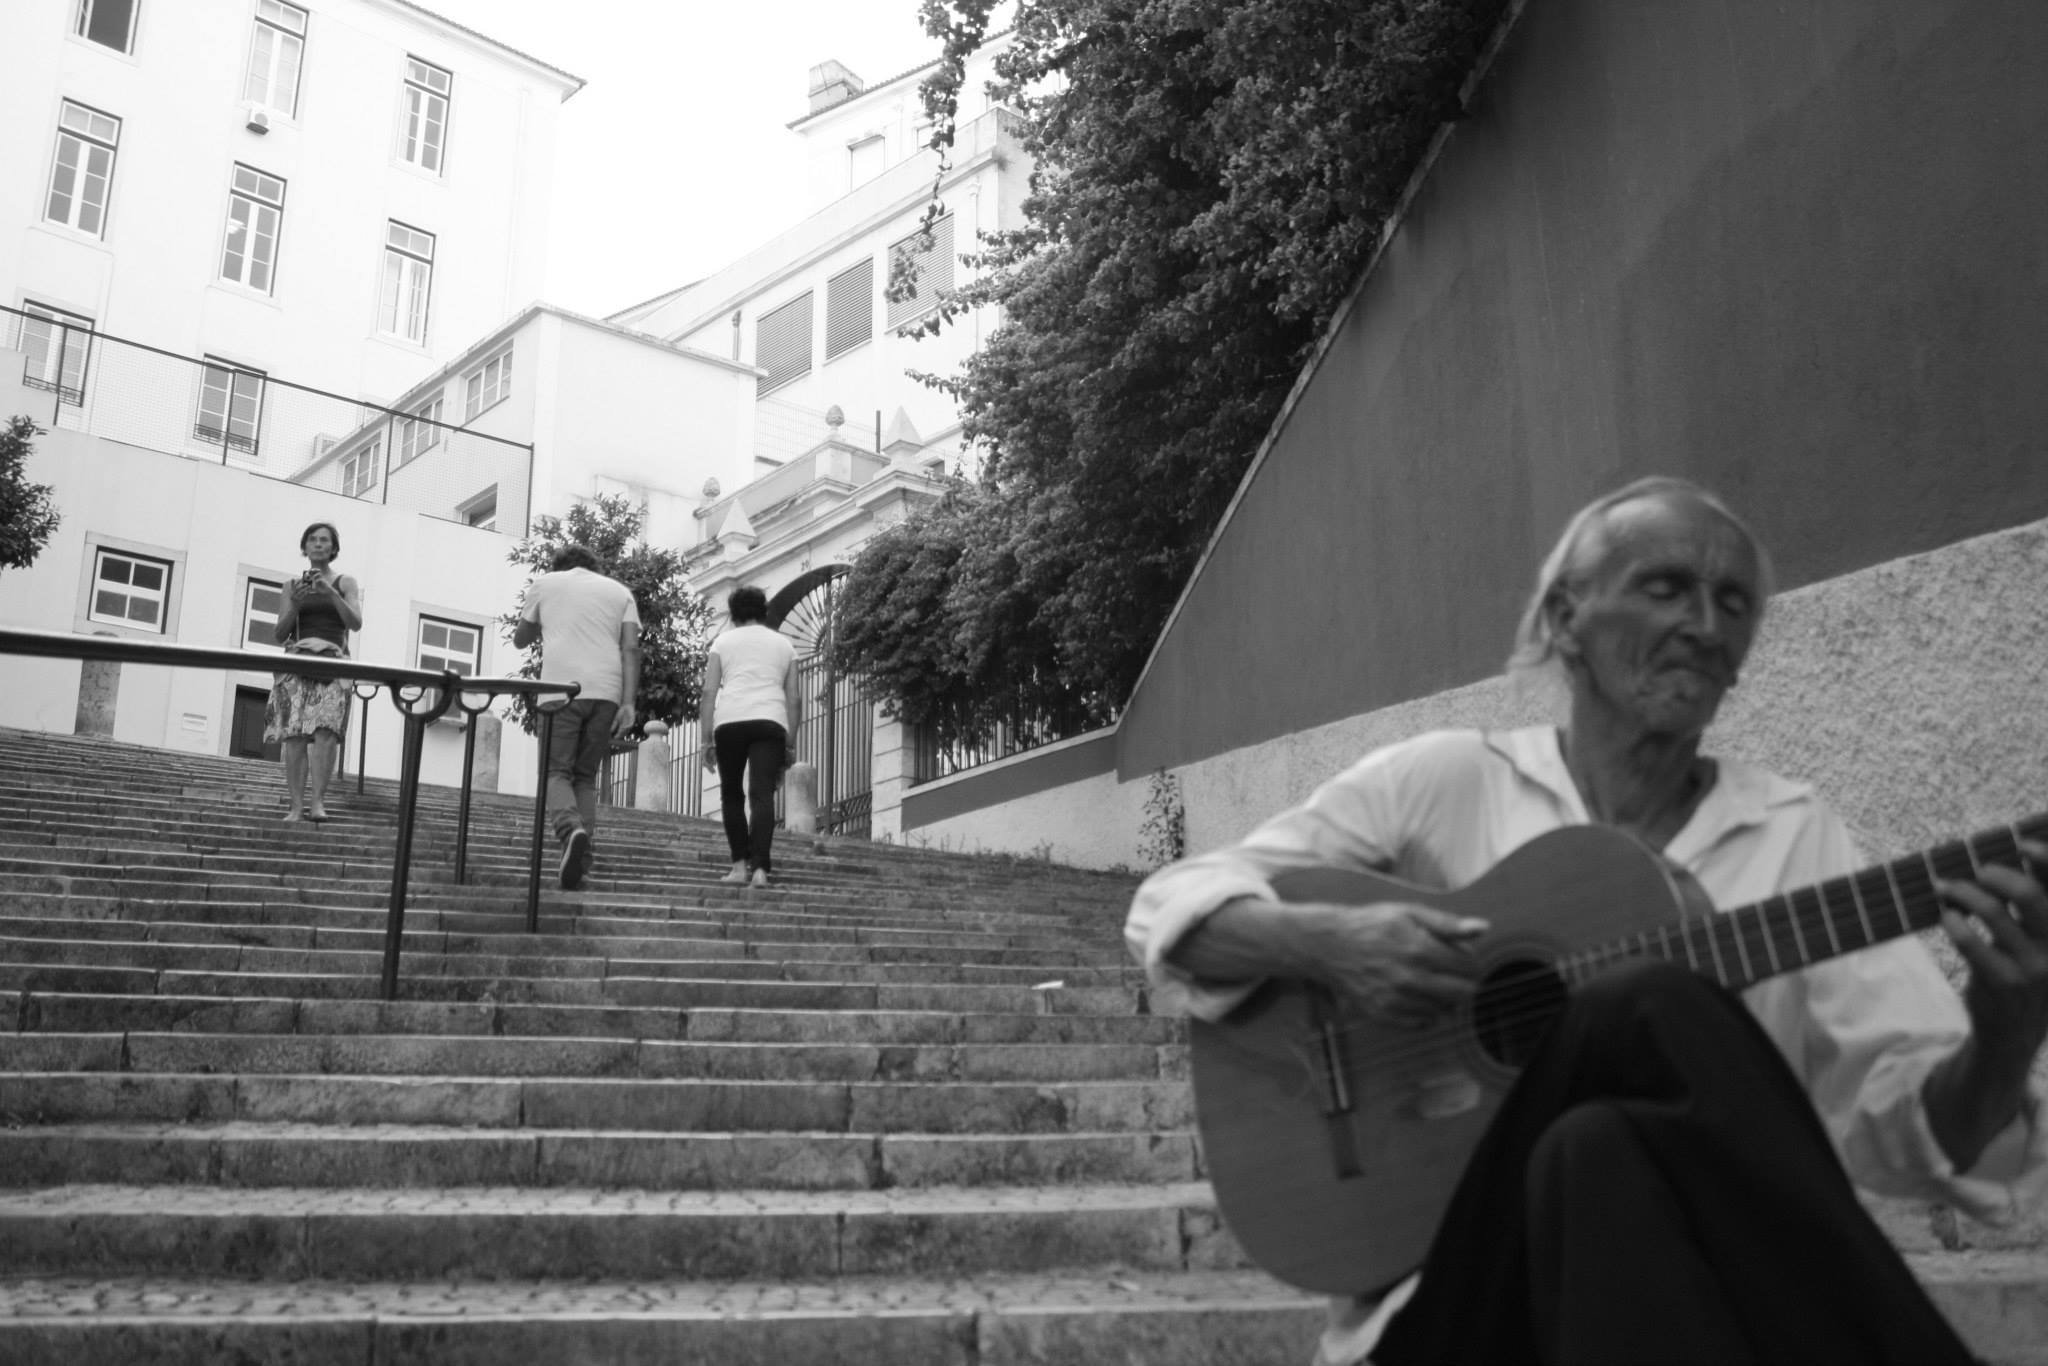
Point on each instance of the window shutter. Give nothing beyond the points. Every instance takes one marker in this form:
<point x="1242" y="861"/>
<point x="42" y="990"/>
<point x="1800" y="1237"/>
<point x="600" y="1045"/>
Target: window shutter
<point x="850" y="308"/>
<point x="934" y="271"/>
<point x="782" y="343"/>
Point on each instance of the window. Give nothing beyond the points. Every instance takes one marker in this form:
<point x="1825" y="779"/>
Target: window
<point x="863" y="161"/>
<point x="423" y="123"/>
<point x="418" y="433"/>
<point x="919" y="274"/>
<point x="54" y="345"/>
<point x="230" y="405"/>
<point x="84" y="168"/>
<point x="782" y="343"/>
<point x="255" y="211"/>
<point x="449" y="645"/>
<point x="408" y="279"/>
<point x="261" y="602"/>
<point x="129" y="590"/>
<point x="275" y="50"/>
<point x="849" y="308"/>
<point x="110" y="23"/>
<point x="359" y="471"/>
<point x="481" y="511"/>
<point x="489" y="384"/>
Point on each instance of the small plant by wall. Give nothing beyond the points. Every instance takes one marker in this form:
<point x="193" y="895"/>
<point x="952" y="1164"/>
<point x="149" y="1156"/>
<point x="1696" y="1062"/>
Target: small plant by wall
<point x="1163" y="836"/>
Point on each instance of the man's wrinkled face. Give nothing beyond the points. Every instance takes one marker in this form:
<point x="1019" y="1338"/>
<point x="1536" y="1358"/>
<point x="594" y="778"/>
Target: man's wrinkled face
<point x="1663" y="619"/>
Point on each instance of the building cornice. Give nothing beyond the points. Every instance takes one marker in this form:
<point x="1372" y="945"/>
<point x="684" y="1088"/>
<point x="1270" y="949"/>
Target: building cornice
<point x="569" y="81"/>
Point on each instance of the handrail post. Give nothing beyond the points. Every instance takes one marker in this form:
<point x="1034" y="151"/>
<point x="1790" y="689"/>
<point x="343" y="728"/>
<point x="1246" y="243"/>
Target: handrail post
<point x="540" y="815"/>
<point x="363" y="735"/>
<point x="408" y="795"/>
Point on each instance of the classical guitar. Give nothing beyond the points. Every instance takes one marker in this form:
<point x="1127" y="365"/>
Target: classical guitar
<point x="1334" y="1142"/>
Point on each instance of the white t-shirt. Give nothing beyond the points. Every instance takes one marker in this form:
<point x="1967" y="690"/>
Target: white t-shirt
<point x="1861" y="1031"/>
<point x="580" y="613"/>
<point x="753" y="661"/>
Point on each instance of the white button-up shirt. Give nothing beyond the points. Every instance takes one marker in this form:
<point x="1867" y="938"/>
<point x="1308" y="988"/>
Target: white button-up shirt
<point x="1861" y="1031"/>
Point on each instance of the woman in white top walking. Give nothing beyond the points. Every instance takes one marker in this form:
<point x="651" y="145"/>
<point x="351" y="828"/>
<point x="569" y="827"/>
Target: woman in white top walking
<point x="750" y="710"/>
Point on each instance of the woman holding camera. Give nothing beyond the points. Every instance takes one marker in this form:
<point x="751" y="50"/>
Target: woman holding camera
<point x="318" y="610"/>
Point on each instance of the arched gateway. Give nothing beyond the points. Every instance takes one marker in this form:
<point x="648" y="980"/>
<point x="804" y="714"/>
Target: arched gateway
<point x="836" y="735"/>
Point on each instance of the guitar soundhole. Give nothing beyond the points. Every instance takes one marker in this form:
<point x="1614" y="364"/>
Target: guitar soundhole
<point x="1515" y="1004"/>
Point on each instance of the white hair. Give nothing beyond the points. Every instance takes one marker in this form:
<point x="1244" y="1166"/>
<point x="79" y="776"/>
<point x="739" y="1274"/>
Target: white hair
<point x="1581" y="546"/>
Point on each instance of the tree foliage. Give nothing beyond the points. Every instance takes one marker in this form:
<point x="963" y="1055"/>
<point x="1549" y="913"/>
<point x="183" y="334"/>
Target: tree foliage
<point x="28" y="516"/>
<point x="676" y="625"/>
<point x="1210" y="178"/>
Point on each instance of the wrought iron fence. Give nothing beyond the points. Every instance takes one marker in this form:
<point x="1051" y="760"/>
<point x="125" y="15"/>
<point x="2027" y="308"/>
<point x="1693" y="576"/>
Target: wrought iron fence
<point x="1023" y="729"/>
<point x="837" y="737"/>
<point x="209" y="410"/>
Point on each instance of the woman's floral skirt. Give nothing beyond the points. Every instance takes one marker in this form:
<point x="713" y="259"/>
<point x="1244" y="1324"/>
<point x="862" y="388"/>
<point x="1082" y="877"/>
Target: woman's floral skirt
<point x="303" y="706"/>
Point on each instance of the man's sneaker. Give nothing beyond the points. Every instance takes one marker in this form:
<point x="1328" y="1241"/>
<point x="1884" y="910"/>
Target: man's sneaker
<point x="575" y="858"/>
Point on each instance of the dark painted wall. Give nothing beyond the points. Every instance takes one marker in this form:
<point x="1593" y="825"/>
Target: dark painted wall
<point x="1797" y="251"/>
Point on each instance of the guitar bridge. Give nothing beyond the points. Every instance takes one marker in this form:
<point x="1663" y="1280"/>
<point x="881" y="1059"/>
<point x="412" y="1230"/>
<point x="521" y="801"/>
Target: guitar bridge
<point x="1333" y="1086"/>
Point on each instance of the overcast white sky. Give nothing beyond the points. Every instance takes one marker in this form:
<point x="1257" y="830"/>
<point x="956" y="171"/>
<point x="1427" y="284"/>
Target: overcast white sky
<point x="675" y="159"/>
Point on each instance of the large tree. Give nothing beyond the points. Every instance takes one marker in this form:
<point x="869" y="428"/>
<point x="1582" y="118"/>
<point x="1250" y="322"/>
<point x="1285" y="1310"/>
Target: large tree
<point x="676" y="625"/>
<point x="1210" y="178"/>
<point x="28" y="517"/>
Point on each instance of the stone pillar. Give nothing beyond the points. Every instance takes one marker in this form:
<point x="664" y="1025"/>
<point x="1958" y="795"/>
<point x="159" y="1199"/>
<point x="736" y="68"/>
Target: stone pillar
<point x="99" y="695"/>
<point x="657" y="754"/>
<point x="490" y="734"/>
<point x="895" y="763"/>
<point x="800" y="799"/>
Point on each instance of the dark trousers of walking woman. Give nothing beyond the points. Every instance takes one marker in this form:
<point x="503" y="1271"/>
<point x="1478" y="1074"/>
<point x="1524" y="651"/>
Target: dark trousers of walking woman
<point x="1658" y="1188"/>
<point x="752" y="748"/>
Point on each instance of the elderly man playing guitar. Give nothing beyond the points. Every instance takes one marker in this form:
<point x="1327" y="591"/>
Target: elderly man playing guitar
<point x="1598" y="1156"/>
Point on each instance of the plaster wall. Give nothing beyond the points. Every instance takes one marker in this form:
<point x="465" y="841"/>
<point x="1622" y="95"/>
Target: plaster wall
<point x="1791" y="251"/>
<point x="1909" y="693"/>
<point x="154" y="274"/>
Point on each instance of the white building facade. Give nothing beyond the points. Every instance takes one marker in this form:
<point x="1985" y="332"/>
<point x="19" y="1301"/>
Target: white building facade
<point x="343" y="192"/>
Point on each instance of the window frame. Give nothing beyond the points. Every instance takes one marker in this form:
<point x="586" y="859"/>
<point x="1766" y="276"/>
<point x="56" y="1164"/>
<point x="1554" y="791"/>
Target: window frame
<point x="101" y="551"/>
<point x="482" y="390"/>
<point x="409" y="445"/>
<point x="854" y="148"/>
<point x="416" y="94"/>
<point x="268" y="639"/>
<point x="260" y="23"/>
<point x="87" y="141"/>
<point x="252" y="228"/>
<point x="835" y="297"/>
<point x="469" y="509"/>
<point x="352" y="484"/>
<point x="422" y="620"/>
<point x="406" y="265"/>
<point x="233" y="392"/>
<point x="82" y="24"/>
<point x="59" y="342"/>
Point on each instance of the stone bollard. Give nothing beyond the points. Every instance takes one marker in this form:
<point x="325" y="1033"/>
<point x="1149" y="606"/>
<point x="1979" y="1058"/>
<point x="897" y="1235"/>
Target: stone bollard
<point x="800" y="799"/>
<point x="99" y="695"/>
<point x="657" y="769"/>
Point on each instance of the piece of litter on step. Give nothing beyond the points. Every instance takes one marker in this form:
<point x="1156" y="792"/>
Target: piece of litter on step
<point x="1044" y="1000"/>
<point x="1048" y="986"/>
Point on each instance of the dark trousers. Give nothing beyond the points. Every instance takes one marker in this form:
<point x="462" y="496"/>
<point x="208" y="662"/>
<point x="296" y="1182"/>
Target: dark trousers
<point x="752" y="748"/>
<point x="581" y="737"/>
<point x="1657" y="1187"/>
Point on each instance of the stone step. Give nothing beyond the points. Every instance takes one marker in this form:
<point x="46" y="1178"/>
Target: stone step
<point x="62" y="1012"/>
<point x="675" y="992"/>
<point x="664" y="1105"/>
<point x="391" y="1156"/>
<point x="497" y="1233"/>
<point x="430" y="955"/>
<point x="1138" y="1318"/>
<point x="540" y="1056"/>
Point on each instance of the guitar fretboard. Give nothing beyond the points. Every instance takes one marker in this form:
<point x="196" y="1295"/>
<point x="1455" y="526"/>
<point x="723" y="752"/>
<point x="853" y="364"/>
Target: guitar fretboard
<point x="1798" y="929"/>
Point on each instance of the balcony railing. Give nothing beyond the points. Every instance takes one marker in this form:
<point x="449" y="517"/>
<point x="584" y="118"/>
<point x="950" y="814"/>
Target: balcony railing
<point x="208" y="410"/>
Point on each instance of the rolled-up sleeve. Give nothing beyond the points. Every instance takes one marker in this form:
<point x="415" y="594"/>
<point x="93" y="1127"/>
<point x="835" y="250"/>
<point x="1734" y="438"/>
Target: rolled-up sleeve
<point x="1353" y="821"/>
<point x="1877" y="1023"/>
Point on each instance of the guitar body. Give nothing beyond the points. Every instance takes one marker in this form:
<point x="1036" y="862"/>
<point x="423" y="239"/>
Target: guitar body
<point x="1334" y="1143"/>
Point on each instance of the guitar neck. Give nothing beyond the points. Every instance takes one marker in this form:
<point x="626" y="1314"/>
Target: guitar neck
<point x="1794" y="930"/>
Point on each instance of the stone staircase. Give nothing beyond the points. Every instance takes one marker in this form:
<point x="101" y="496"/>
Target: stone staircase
<point x="842" y="1120"/>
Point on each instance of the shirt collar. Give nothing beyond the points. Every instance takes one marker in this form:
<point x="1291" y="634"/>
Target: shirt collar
<point x="1743" y="794"/>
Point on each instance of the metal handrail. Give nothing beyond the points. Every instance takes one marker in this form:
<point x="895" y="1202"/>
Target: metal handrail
<point x="430" y="695"/>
